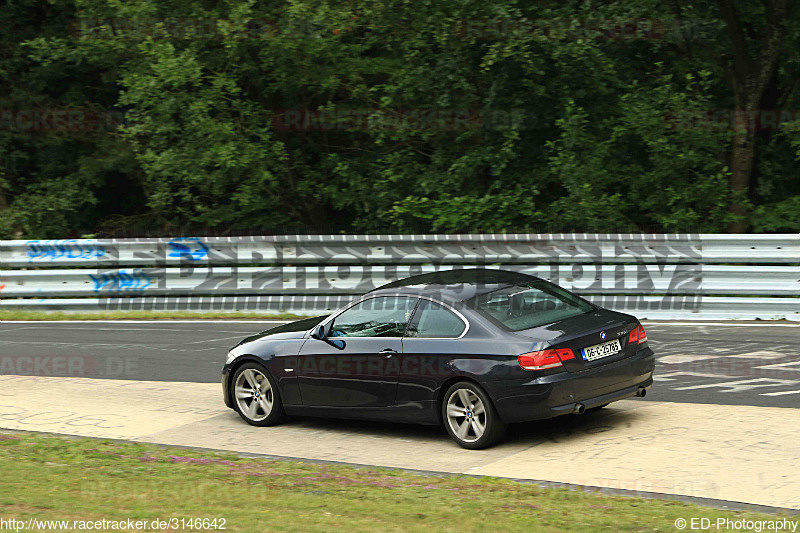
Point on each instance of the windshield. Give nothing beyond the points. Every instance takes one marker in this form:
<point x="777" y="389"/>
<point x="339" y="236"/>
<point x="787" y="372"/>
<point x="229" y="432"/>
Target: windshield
<point x="530" y="305"/>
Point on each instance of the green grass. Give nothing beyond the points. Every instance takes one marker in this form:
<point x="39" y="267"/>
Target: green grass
<point x="139" y="315"/>
<point x="54" y="478"/>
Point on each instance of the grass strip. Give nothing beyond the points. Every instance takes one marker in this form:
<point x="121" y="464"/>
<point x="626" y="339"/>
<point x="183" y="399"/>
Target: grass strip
<point x="60" y="478"/>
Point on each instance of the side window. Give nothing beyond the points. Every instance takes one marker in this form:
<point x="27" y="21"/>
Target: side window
<point x="385" y="316"/>
<point x="433" y="320"/>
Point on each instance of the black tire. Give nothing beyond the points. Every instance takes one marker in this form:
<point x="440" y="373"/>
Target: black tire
<point x="494" y="428"/>
<point x="258" y="416"/>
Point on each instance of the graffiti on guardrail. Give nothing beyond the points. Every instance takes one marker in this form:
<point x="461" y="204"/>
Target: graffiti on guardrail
<point x="51" y="250"/>
<point x="121" y="280"/>
<point x="191" y="248"/>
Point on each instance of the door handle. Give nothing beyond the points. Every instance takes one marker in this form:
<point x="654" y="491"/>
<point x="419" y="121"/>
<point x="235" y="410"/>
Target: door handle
<point x="387" y="352"/>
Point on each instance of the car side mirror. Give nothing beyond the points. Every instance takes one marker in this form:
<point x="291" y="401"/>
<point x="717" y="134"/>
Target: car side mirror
<point x="318" y="332"/>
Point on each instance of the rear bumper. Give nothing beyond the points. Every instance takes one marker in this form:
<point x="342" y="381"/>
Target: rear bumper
<point x="521" y="400"/>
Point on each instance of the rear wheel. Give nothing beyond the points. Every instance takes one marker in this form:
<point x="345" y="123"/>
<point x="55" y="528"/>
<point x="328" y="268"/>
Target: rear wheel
<point x="470" y="418"/>
<point x="255" y="396"/>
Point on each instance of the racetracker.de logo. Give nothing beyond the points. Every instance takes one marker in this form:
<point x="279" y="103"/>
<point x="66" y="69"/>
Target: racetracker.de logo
<point x="399" y="119"/>
<point x="55" y="120"/>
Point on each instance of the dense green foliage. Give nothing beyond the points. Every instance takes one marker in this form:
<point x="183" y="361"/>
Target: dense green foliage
<point x="566" y="130"/>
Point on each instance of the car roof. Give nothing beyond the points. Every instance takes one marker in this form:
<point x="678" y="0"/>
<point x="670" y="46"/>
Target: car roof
<point x="458" y="284"/>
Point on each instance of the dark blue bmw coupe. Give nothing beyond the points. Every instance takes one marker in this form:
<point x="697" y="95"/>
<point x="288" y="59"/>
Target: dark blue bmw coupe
<point x="473" y="349"/>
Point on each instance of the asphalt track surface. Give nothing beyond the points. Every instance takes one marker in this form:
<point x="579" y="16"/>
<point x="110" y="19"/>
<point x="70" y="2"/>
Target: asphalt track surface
<point x="756" y="364"/>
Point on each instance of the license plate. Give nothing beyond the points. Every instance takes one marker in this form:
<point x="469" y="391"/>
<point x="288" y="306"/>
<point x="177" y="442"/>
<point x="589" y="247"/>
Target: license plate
<point x="598" y="351"/>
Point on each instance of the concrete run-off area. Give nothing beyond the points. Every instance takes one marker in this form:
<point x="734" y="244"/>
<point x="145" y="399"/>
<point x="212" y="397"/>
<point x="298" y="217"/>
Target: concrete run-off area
<point x="735" y="453"/>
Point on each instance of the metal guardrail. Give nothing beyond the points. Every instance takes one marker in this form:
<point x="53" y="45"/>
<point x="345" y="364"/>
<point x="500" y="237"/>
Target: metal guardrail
<point x="205" y="280"/>
<point x="644" y="307"/>
<point x="653" y="276"/>
<point x="405" y="249"/>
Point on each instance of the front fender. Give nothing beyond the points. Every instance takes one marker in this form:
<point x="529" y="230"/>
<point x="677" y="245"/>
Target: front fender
<point x="277" y="356"/>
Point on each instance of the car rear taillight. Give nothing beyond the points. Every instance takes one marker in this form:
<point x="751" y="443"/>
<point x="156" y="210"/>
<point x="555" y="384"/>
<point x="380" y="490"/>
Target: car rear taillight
<point x="544" y="359"/>
<point x="637" y="334"/>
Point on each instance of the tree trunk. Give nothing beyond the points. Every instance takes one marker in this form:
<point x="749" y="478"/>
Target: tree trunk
<point x="3" y="197"/>
<point x="742" y="161"/>
<point x="750" y="78"/>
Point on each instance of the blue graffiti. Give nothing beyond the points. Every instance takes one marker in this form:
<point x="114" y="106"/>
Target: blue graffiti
<point x="190" y="248"/>
<point x="121" y="280"/>
<point x="63" y="249"/>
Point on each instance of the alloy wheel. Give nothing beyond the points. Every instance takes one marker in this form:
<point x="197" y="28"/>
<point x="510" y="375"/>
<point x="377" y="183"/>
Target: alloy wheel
<point x="254" y="395"/>
<point x="466" y="415"/>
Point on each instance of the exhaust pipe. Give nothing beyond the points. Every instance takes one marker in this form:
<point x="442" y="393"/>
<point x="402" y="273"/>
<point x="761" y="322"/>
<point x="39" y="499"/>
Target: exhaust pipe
<point x="579" y="409"/>
<point x="642" y="392"/>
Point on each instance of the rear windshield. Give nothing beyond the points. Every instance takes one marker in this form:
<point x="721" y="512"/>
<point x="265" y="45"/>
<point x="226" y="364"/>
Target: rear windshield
<point x="530" y="305"/>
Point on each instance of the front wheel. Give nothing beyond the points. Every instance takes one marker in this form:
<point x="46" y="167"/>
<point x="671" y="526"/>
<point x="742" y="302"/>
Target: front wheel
<point x="470" y="417"/>
<point x="255" y="396"/>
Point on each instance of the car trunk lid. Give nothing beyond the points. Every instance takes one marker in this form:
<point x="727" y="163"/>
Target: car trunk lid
<point x="597" y="328"/>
